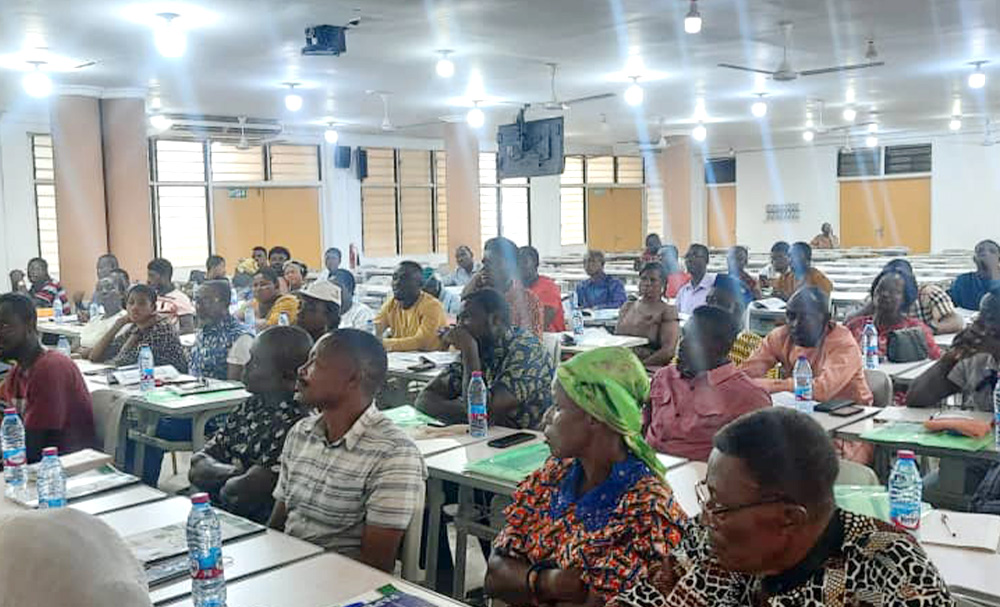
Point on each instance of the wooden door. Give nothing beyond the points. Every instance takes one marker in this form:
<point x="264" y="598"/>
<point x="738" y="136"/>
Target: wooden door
<point x="238" y="222"/>
<point x="721" y="200"/>
<point x="291" y="219"/>
<point x="614" y="219"/>
<point x="886" y="213"/>
<point x="861" y="212"/>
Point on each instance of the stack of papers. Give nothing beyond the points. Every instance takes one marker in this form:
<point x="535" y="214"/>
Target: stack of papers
<point x="961" y="529"/>
<point x="90" y="483"/>
<point x="171" y="540"/>
<point x="512" y="465"/>
<point x="771" y="303"/>
<point x="402" y="360"/>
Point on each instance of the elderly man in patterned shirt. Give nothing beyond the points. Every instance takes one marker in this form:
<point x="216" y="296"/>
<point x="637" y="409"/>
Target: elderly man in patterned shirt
<point x="239" y="464"/>
<point x="350" y="478"/>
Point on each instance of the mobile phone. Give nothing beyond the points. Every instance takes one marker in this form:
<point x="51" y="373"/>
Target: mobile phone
<point x="846" y="411"/>
<point x="510" y="440"/>
<point x="832" y="405"/>
<point x="423" y="365"/>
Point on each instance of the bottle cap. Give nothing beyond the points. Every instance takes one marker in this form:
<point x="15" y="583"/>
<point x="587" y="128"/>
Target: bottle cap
<point x="477" y="374"/>
<point x="905" y="454"/>
<point x="10" y="411"/>
<point x="50" y="451"/>
<point x="199" y="498"/>
<point x="802" y="357"/>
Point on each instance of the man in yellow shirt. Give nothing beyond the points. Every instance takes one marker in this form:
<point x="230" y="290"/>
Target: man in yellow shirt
<point x="800" y="274"/>
<point x="414" y="317"/>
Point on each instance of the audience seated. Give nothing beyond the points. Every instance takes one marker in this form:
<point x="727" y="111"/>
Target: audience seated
<point x="215" y="268"/>
<point x="269" y="303"/>
<point x="800" y="273"/>
<point x="650" y="254"/>
<point x="353" y="314"/>
<point x="676" y="276"/>
<point x="239" y="465"/>
<point x="599" y="291"/>
<point x="826" y="239"/>
<point x="413" y="317"/>
<point x="276" y="259"/>
<point x="170" y="301"/>
<point x="45" y="292"/>
<point x="692" y="399"/>
<point x="770" y="532"/>
<point x="349" y="479"/>
<point x="222" y="347"/>
<point x="499" y="272"/>
<point x="259" y="256"/>
<point x="544" y="288"/>
<point x="968" y="289"/>
<point x="465" y="268"/>
<point x="693" y="294"/>
<point x="109" y="294"/>
<point x="598" y="516"/>
<point x="933" y="306"/>
<point x="451" y="302"/>
<point x="319" y="312"/>
<point x="515" y="367"/>
<point x="780" y="262"/>
<point x="106" y="264"/>
<point x="725" y="294"/>
<point x="830" y="348"/>
<point x="652" y="318"/>
<point x="736" y="262"/>
<point x="44" y="386"/>
<point x="295" y="273"/>
<point x="142" y="327"/>
<point x="331" y="263"/>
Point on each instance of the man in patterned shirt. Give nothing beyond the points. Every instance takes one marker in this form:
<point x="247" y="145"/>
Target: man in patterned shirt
<point x="44" y="292"/>
<point x="770" y="533"/>
<point x="350" y="479"/>
<point x="239" y="465"/>
<point x="514" y="364"/>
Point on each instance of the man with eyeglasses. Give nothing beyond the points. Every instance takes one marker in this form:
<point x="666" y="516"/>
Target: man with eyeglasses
<point x="693" y="294"/>
<point x="769" y="532"/>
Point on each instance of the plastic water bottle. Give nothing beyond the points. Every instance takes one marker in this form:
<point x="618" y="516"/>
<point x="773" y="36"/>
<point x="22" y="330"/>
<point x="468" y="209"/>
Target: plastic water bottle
<point x="576" y="320"/>
<point x="204" y="539"/>
<point x="51" y="480"/>
<point x="95" y="310"/>
<point x="905" y="492"/>
<point x="869" y="345"/>
<point x="477" y="405"/>
<point x="15" y="457"/>
<point x="996" y="413"/>
<point x="283" y="319"/>
<point x="63" y="345"/>
<point x="251" y="319"/>
<point x="803" y="379"/>
<point x="147" y="369"/>
<point x="57" y="312"/>
<point x="370" y="326"/>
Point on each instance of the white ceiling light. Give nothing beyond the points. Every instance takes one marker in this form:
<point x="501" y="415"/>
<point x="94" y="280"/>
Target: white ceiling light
<point x="699" y="133"/>
<point x="331" y="135"/>
<point x="169" y="37"/>
<point x="872" y="127"/>
<point x="476" y="118"/>
<point x="445" y="67"/>
<point x="36" y="82"/>
<point x="850" y="114"/>
<point x="692" y="22"/>
<point x="808" y="136"/>
<point x="977" y="79"/>
<point x="293" y="101"/>
<point x="634" y="93"/>
<point x="160" y="122"/>
<point x="955" y="124"/>
<point x="759" y="107"/>
<point x="871" y="141"/>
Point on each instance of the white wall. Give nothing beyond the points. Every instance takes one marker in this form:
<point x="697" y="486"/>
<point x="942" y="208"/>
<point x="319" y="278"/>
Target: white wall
<point x="18" y="223"/>
<point x="546" y="218"/>
<point x="965" y="192"/>
<point x="807" y="176"/>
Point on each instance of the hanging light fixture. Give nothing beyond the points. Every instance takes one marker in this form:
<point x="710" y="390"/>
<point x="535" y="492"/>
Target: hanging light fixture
<point x="955" y="124"/>
<point x="634" y="93"/>
<point x="692" y="22"/>
<point x="475" y="118"/>
<point x="36" y="82"/>
<point x="699" y="133"/>
<point x="977" y="79"/>
<point x="850" y="113"/>
<point x="293" y="101"/>
<point x="169" y="37"/>
<point x="331" y="135"/>
<point x="808" y="135"/>
<point x="445" y="68"/>
<point x="872" y="128"/>
<point x="160" y="122"/>
<point x="759" y="107"/>
<point x="871" y="141"/>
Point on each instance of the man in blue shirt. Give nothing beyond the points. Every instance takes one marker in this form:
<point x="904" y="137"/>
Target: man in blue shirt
<point x="969" y="289"/>
<point x="599" y="290"/>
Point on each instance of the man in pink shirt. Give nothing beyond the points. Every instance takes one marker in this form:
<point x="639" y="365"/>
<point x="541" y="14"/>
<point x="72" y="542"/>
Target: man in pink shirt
<point x="831" y="350"/>
<point x="692" y="399"/>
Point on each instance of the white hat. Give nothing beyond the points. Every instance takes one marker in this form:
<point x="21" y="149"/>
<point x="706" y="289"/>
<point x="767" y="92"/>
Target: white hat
<point x="322" y="290"/>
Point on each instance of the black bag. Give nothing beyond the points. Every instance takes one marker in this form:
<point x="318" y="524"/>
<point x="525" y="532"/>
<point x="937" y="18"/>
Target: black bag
<point x="907" y="345"/>
<point x="987" y="496"/>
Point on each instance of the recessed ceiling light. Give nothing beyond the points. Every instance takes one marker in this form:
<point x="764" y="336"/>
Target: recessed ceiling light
<point x="808" y="135"/>
<point x="293" y="101"/>
<point x="445" y="67"/>
<point x="476" y="118"/>
<point x="977" y="79"/>
<point x="160" y="122"/>
<point x="759" y="107"/>
<point x="634" y="93"/>
<point x="872" y="127"/>
<point x="36" y="82"/>
<point x="169" y="36"/>
<point x="699" y="133"/>
<point x="850" y="114"/>
<point x="331" y="135"/>
<point x="692" y="22"/>
<point x="871" y="141"/>
<point x="955" y="124"/>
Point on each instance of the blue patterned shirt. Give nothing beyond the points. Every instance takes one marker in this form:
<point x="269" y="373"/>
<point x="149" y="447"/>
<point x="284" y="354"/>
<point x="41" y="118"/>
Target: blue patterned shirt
<point x="210" y="353"/>
<point x="604" y="292"/>
<point x="968" y="289"/>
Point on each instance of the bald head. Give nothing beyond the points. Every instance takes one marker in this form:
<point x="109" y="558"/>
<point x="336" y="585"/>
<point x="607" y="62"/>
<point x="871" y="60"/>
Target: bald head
<point x="275" y="358"/>
<point x="366" y="353"/>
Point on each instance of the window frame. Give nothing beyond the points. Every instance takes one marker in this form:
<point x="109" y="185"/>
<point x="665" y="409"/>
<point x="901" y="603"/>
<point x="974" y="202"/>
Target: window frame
<point x="498" y="186"/>
<point x="587" y="184"/>
<point x="35" y="182"/>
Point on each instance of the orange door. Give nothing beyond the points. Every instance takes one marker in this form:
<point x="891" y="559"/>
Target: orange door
<point x="886" y="213"/>
<point x="614" y="219"/>
<point x="238" y="222"/>
<point x="721" y="215"/>
<point x="291" y="219"/>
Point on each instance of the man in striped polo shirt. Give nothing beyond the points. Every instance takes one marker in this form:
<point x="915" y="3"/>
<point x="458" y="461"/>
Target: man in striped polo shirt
<point x="350" y="479"/>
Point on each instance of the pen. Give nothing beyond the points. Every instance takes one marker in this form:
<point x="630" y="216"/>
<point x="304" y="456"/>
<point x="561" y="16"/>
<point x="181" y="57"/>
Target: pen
<point x="944" y="521"/>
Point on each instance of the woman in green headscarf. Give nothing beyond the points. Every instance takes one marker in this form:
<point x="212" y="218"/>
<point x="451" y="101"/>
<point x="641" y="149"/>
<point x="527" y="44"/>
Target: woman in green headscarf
<point x="598" y="514"/>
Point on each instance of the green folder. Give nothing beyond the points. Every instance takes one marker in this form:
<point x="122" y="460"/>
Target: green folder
<point x="512" y="465"/>
<point x="917" y="434"/>
<point x="409" y="417"/>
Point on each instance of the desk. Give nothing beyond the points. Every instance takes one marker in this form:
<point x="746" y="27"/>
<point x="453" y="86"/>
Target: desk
<point x="682" y="481"/>
<point x="944" y="340"/>
<point x="118" y="499"/>
<point x="830" y="423"/>
<point x="603" y="341"/>
<point x="844" y="301"/>
<point x="901" y="373"/>
<point x="970" y="573"/>
<point x="398" y="363"/>
<point x="320" y="581"/>
<point x="70" y="329"/>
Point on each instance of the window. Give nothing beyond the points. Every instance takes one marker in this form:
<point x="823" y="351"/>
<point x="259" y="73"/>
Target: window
<point x="441" y="190"/>
<point x="900" y="159"/>
<point x="44" y="185"/>
<point x="504" y="205"/>
<point x="572" y="218"/>
<point x="231" y="164"/>
<point x="402" y="202"/>
<point x="579" y="175"/>
<point x="296" y="163"/>
<point x="860" y="163"/>
<point x="720" y="170"/>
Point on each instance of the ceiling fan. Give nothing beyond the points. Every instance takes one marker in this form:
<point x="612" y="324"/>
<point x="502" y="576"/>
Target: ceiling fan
<point x="786" y="73"/>
<point x="557" y="105"/>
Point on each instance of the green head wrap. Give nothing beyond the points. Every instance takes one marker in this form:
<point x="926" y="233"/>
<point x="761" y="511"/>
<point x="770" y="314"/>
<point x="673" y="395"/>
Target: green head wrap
<point x="611" y="384"/>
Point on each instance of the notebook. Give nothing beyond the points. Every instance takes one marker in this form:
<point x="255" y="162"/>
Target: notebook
<point x="514" y="464"/>
<point x="961" y="529"/>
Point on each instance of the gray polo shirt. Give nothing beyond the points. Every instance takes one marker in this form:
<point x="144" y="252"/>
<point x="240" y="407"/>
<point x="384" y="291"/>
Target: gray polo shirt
<point x="975" y="376"/>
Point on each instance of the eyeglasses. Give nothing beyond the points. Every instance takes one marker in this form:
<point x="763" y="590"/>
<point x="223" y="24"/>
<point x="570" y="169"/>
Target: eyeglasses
<point x="709" y="506"/>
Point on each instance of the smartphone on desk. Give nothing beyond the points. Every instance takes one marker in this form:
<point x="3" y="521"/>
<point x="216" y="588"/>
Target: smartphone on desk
<point x="847" y="411"/>
<point x="833" y="405"/>
<point x="510" y="440"/>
